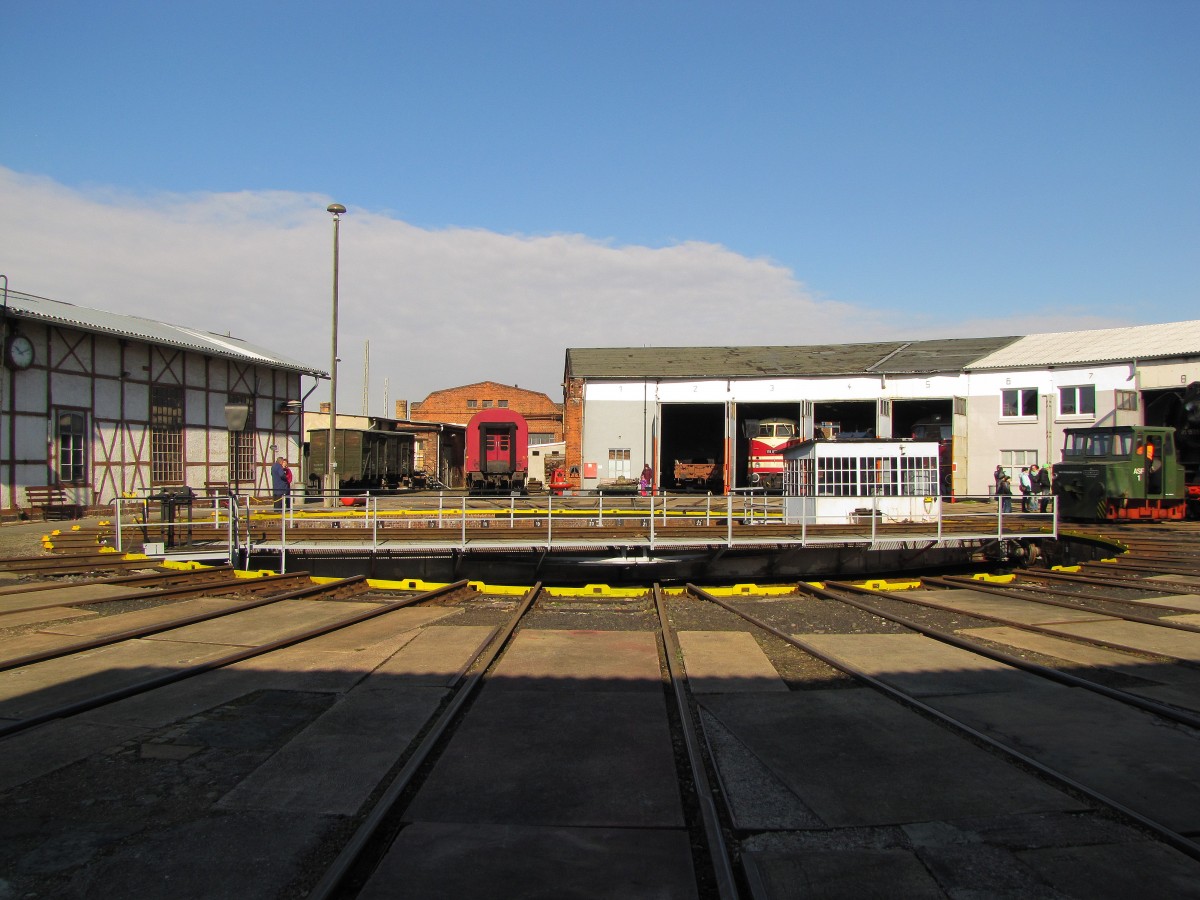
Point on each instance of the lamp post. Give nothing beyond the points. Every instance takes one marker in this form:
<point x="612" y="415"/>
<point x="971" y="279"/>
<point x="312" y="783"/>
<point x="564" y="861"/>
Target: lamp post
<point x="331" y="486"/>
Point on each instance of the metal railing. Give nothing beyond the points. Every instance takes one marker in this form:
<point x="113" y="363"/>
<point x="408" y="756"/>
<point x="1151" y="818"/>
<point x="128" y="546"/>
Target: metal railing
<point x="453" y="521"/>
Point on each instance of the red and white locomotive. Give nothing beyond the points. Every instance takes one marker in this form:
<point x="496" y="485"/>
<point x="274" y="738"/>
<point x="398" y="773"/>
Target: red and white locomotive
<point x="497" y="452"/>
<point x="765" y="454"/>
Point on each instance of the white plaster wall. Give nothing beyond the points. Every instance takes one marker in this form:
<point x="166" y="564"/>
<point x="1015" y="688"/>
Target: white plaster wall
<point x="611" y="424"/>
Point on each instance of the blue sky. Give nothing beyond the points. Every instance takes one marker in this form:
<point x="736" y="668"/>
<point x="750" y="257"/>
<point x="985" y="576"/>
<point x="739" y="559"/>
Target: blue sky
<point x="527" y="176"/>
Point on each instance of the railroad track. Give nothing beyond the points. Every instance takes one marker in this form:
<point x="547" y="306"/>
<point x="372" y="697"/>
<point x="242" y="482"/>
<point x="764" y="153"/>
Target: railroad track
<point x="958" y="737"/>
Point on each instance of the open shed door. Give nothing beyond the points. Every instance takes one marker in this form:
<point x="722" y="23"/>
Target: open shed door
<point x="805" y="413"/>
<point x="883" y="419"/>
<point x="958" y="448"/>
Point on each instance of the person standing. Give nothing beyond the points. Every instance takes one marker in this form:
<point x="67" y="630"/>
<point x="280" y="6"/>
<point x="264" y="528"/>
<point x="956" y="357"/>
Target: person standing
<point x="281" y="482"/>
<point x="1042" y="486"/>
<point x="646" y="481"/>
<point x="998" y="476"/>
<point x="1025" y="484"/>
<point x="1004" y="494"/>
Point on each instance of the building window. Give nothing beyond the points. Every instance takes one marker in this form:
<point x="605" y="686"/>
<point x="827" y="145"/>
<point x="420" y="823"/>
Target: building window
<point x="540" y="437"/>
<point x="166" y="434"/>
<point x="503" y="404"/>
<point x="472" y="404"/>
<point x="618" y="462"/>
<point x="487" y="404"/>
<point x="1019" y="403"/>
<point x="1077" y="401"/>
<point x="72" y="447"/>
<point x="1016" y="460"/>
<point x="1127" y="400"/>
<point x="241" y="444"/>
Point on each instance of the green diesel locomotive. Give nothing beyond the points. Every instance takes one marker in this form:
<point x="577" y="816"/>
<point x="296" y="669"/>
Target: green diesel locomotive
<point x="1120" y="473"/>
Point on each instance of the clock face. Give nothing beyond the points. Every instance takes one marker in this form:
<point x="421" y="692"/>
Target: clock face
<point x="18" y="352"/>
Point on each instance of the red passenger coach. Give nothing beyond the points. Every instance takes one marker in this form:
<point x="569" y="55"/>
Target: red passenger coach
<point x="497" y="452"/>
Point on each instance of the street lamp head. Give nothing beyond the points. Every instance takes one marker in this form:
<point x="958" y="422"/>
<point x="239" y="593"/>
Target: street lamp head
<point x="336" y="208"/>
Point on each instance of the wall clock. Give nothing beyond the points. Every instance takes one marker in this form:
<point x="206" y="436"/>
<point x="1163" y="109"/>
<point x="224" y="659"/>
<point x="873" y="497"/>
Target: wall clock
<point x="18" y="352"/>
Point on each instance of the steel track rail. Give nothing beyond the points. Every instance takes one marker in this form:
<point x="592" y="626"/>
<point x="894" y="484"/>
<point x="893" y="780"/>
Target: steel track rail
<point x="355" y="847"/>
<point x="1182" y="717"/>
<point x="150" y="684"/>
<point x="133" y="633"/>
<point x="183" y="575"/>
<point x="244" y="585"/>
<point x="1180" y="842"/>
<point x="1132" y="584"/>
<point x="718" y="850"/>
<point x="958" y="582"/>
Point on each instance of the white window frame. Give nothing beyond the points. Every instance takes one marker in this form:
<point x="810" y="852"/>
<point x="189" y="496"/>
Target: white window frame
<point x="1076" y="393"/>
<point x="1023" y="413"/>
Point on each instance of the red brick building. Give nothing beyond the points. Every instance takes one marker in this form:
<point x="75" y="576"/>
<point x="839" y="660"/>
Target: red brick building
<point x="457" y="405"/>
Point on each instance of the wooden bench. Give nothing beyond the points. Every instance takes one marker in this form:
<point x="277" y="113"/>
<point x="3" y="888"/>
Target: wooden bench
<point x="53" y="501"/>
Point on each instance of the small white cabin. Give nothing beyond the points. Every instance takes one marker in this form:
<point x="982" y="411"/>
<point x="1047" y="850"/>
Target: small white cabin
<point x="840" y="481"/>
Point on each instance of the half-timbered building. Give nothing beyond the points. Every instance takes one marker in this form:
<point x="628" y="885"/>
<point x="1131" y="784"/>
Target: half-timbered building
<point x="106" y="405"/>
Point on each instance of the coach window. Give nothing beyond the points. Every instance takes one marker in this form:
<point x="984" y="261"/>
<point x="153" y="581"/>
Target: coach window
<point x="1077" y="401"/>
<point x="72" y="448"/>
<point x="1019" y="403"/>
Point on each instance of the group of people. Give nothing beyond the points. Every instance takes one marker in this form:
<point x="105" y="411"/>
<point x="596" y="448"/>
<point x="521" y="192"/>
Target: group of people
<point x="1034" y="481"/>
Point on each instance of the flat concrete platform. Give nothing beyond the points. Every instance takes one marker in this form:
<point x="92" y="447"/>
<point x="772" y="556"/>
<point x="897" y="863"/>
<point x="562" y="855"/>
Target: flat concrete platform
<point x="1026" y="612"/>
<point x="264" y="624"/>
<point x="1137" y="637"/>
<point x="1113" y="748"/>
<point x="523" y="861"/>
<point x="580" y="660"/>
<point x="856" y="758"/>
<point x="76" y="593"/>
<point x="719" y="662"/>
<point x="569" y="771"/>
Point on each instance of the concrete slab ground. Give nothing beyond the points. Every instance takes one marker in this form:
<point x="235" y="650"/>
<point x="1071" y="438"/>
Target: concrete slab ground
<point x="78" y="593"/>
<point x="573" y="660"/>
<point x="558" y="758"/>
<point x="1179" y="601"/>
<point x="852" y="874"/>
<point x="511" y="861"/>
<point x="47" y="748"/>
<point x="1117" y="871"/>
<point x="48" y="614"/>
<point x="1136" y="636"/>
<point x="438" y="656"/>
<point x="142" y="618"/>
<point x="334" y="663"/>
<point x="33" y="689"/>
<point x="723" y="661"/>
<point x="266" y="623"/>
<point x="1027" y="612"/>
<point x="1129" y="755"/>
<point x="337" y="761"/>
<point x="856" y="758"/>
<point x="1166" y="682"/>
<point x="922" y="666"/>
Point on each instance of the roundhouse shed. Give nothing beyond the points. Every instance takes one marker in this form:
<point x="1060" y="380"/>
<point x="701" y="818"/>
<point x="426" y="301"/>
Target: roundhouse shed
<point x="988" y="401"/>
<point x="100" y="404"/>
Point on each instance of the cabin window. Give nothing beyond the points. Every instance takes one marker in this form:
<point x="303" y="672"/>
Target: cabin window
<point x="166" y="434"/>
<point x="1077" y="401"/>
<point x="1019" y="403"/>
<point x="71" y="430"/>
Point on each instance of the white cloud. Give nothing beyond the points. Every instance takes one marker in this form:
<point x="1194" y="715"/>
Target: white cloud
<point x="440" y="308"/>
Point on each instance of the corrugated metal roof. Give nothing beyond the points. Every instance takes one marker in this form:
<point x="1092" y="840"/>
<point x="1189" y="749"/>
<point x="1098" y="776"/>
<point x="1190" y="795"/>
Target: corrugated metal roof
<point x="886" y="358"/>
<point x="27" y="306"/>
<point x="1102" y="345"/>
